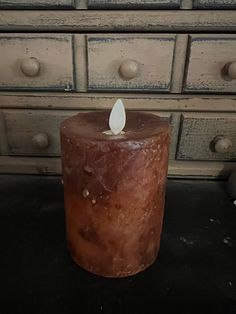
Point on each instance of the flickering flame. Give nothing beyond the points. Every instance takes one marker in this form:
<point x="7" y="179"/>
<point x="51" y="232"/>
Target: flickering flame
<point x="117" y="117"/>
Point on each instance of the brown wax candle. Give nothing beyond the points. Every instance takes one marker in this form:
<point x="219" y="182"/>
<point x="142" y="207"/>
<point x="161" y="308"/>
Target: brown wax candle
<point x="114" y="189"/>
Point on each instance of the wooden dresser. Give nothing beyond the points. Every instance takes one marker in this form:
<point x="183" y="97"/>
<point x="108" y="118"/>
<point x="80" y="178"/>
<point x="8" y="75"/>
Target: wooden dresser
<point x="171" y="57"/>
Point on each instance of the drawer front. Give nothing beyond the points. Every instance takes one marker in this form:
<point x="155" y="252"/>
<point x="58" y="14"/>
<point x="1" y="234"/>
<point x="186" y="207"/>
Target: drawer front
<point x="34" y="132"/>
<point x="207" y="136"/>
<point x="130" y="62"/>
<point x="36" y="4"/>
<point x="133" y="4"/>
<point x="211" y="64"/>
<point x="214" y="4"/>
<point x="36" y="62"/>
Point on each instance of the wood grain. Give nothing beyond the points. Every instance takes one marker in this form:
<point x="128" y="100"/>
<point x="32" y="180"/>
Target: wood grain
<point x="118" y="21"/>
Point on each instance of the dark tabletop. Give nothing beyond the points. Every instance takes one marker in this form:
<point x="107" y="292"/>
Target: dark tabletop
<point x="194" y="273"/>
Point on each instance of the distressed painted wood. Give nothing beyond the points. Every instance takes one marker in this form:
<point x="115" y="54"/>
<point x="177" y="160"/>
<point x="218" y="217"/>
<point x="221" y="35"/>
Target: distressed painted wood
<point x="153" y="55"/>
<point x="179" y="63"/>
<point x="175" y="123"/>
<point x="198" y="131"/>
<point x="81" y="4"/>
<point x="134" y="4"/>
<point x="93" y="101"/>
<point x="30" y="165"/>
<point x="23" y="125"/>
<point x="52" y="165"/>
<point x="214" y="4"/>
<point x="119" y="20"/>
<point x="80" y="65"/>
<point x="200" y="169"/>
<point x="207" y="58"/>
<point x="37" y="4"/>
<point x="186" y="4"/>
<point x="52" y="52"/>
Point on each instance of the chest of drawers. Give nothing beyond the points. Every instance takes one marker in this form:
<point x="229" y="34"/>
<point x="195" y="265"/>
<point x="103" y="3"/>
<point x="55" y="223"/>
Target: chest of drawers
<point x="60" y="57"/>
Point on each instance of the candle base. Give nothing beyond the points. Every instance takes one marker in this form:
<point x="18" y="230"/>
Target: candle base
<point x="107" y="274"/>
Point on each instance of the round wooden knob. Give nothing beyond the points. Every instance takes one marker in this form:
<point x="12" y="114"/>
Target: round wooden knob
<point x="231" y="70"/>
<point x="40" y="140"/>
<point x="222" y="144"/>
<point x="30" y="67"/>
<point x="129" y="69"/>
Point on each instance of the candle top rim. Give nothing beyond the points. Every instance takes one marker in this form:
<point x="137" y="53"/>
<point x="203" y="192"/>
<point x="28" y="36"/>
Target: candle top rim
<point x="91" y="125"/>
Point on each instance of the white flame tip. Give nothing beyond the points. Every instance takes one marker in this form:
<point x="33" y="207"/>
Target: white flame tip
<point x="117" y="117"/>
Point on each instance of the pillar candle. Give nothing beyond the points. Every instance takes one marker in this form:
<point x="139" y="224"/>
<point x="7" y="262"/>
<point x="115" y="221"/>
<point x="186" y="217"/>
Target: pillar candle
<point x="114" y="191"/>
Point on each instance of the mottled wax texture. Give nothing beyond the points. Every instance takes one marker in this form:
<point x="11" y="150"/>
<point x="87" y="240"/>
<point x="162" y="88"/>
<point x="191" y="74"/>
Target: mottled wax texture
<point x="114" y="191"/>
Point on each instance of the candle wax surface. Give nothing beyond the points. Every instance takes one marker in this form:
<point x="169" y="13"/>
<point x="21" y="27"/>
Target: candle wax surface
<point x="114" y="191"/>
<point x="93" y="124"/>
